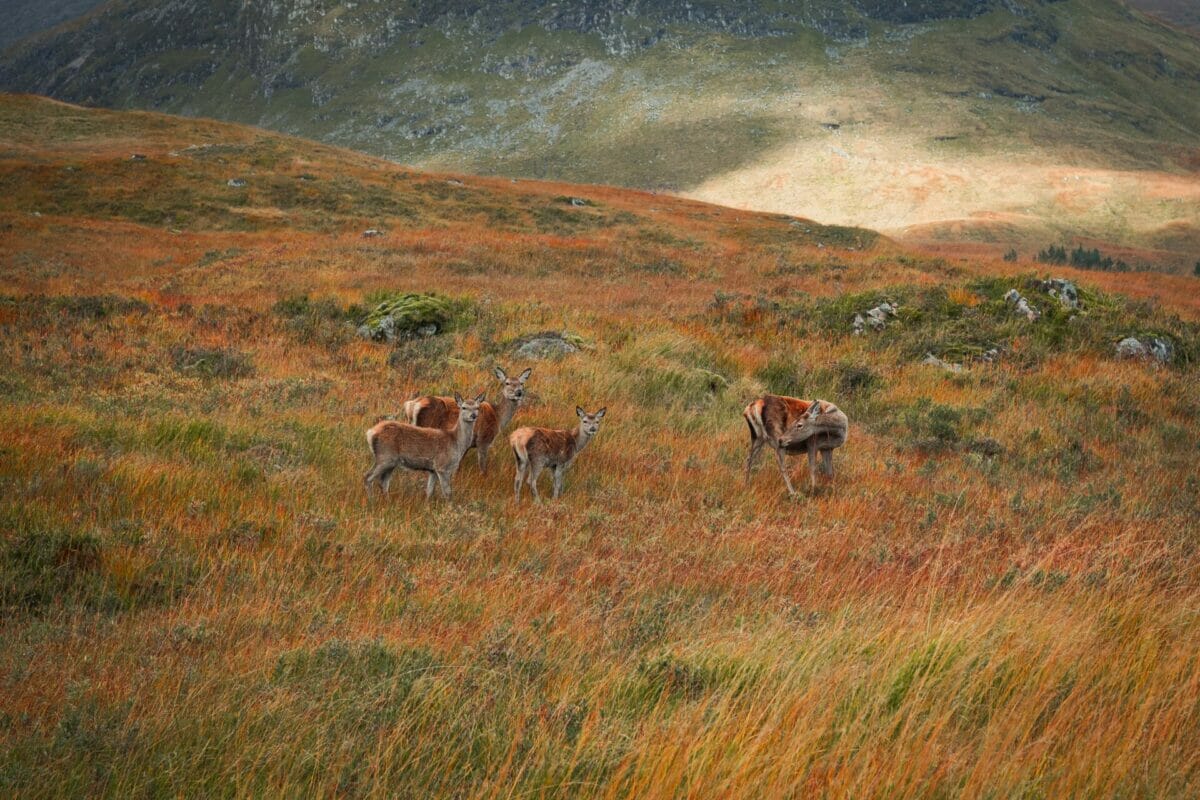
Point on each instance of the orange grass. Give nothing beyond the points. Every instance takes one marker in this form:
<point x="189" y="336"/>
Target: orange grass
<point x="935" y="623"/>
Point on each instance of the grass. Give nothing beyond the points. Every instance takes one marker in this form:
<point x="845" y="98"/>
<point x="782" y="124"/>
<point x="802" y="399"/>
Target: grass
<point x="197" y="601"/>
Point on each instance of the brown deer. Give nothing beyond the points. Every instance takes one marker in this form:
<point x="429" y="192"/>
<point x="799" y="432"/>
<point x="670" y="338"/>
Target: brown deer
<point x="538" y="448"/>
<point x="432" y="450"/>
<point x="790" y="425"/>
<point x="440" y="412"/>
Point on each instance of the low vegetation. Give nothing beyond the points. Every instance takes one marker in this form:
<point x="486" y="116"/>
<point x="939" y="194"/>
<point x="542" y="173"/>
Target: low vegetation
<point x="195" y="598"/>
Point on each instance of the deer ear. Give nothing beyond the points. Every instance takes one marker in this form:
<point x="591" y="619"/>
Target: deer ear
<point x="482" y="396"/>
<point x="501" y="375"/>
<point x="458" y="399"/>
<point x="525" y="375"/>
<point x="579" y="412"/>
<point x="600" y="414"/>
<point x="815" y="409"/>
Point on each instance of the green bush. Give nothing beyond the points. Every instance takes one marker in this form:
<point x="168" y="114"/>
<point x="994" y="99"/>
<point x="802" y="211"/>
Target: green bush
<point x="394" y="317"/>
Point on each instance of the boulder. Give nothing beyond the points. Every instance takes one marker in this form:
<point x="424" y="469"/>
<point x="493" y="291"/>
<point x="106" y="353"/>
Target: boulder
<point x="236" y="183"/>
<point x="371" y="233"/>
<point x="1014" y="298"/>
<point x="541" y="346"/>
<point x="408" y="315"/>
<point x="1159" y="349"/>
<point x="874" y="318"/>
<point x="933" y="361"/>
<point x="1065" y="290"/>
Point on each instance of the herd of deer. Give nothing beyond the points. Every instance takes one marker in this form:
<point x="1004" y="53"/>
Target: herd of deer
<point x="439" y="431"/>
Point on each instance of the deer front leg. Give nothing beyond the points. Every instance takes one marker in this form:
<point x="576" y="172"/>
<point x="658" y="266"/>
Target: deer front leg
<point x="827" y="459"/>
<point x="812" y="468"/>
<point x="783" y="471"/>
<point x="483" y="458"/>
<point x="518" y="481"/>
<point x="559" y="471"/>
<point x="756" y="445"/>
<point x="444" y="482"/>
<point x="429" y="486"/>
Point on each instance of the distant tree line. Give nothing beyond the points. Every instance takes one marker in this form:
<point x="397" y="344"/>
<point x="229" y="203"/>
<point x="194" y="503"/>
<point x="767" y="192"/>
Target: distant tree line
<point x="1082" y="258"/>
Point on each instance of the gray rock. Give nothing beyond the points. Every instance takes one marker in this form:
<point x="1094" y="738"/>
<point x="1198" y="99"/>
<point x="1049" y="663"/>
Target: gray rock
<point x="371" y="233"/>
<point x="427" y="330"/>
<point x="1015" y="299"/>
<point x="1065" y="290"/>
<point x="138" y="157"/>
<point x="875" y="318"/>
<point x="933" y="361"/>
<point x="237" y="183"/>
<point x="578" y="202"/>
<point x="1161" y="350"/>
<point x="545" y="345"/>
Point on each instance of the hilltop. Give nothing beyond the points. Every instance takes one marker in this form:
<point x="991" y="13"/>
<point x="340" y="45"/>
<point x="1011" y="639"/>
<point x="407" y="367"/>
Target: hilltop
<point x="195" y="600"/>
<point x="1010" y="124"/>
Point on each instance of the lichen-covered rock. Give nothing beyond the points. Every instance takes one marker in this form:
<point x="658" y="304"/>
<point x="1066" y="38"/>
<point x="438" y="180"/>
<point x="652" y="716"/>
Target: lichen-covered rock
<point x="371" y="233"/>
<point x="1065" y="290"/>
<point x="1015" y="299"/>
<point x="875" y="318"/>
<point x="546" y="345"/>
<point x="1161" y="350"/>
<point x="933" y="361"/>
<point x="408" y="315"/>
<point x="236" y="183"/>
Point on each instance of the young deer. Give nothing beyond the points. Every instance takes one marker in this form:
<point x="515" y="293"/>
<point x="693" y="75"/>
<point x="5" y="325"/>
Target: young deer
<point x="537" y="448"/>
<point x="432" y="450"/>
<point x="440" y="412"/>
<point x="790" y="425"/>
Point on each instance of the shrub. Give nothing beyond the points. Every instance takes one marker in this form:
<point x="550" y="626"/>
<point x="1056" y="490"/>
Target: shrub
<point x="214" y="362"/>
<point x="1011" y="255"/>
<point x="398" y="316"/>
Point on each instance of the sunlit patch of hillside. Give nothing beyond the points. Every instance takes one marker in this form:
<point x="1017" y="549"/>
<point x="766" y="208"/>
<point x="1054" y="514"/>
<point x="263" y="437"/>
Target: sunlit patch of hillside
<point x="195" y="598"/>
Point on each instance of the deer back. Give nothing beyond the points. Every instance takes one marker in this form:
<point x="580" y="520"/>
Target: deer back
<point x="772" y="414"/>
<point x="442" y="413"/>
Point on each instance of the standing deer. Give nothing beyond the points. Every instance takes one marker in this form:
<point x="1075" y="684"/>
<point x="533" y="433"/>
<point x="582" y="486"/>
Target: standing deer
<point x="432" y="450"/>
<point x="537" y="448"/>
<point x="790" y="425"/>
<point x="440" y="412"/>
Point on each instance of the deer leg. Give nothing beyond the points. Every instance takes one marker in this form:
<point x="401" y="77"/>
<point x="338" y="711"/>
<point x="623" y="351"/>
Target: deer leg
<point x="827" y="459"/>
<point x="429" y="485"/>
<point x="534" y="471"/>
<point x="558" y="481"/>
<point x="483" y="453"/>
<point x="444" y="483"/>
<point x="368" y="479"/>
<point x="756" y="444"/>
<point x="518" y="481"/>
<point x="783" y="471"/>
<point x="812" y="467"/>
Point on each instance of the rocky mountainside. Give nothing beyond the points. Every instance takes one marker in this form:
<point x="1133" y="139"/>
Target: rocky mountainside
<point x="23" y="18"/>
<point x="909" y="117"/>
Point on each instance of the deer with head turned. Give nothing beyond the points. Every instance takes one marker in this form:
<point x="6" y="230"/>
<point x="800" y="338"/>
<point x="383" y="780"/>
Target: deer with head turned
<point x="538" y="448"/>
<point x="441" y="412"/>
<point x="791" y="425"/>
<point x="430" y="450"/>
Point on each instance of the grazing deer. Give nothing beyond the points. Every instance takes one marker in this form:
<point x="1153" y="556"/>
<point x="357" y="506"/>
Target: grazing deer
<point x="790" y="425"/>
<point x="432" y="450"/>
<point x="440" y="412"/>
<point x="537" y="448"/>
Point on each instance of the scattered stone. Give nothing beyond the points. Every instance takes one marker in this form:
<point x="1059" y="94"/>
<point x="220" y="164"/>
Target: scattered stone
<point x="1161" y="350"/>
<point x="990" y="356"/>
<point x="934" y="361"/>
<point x="454" y="182"/>
<point x="1015" y="299"/>
<point x="876" y="318"/>
<point x="1065" y="290"/>
<point x="546" y="345"/>
<point x="236" y="183"/>
<point x="138" y="157"/>
<point x="371" y="233"/>
<point x="578" y="202"/>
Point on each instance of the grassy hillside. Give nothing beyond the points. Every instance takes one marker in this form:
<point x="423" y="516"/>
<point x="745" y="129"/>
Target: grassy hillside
<point x="999" y="585"/>
<point x="1009" y="123"/>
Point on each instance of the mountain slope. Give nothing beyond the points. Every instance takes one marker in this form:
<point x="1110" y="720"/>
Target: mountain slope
<point x="24" y="18"/>
<point x="908" y="118"/>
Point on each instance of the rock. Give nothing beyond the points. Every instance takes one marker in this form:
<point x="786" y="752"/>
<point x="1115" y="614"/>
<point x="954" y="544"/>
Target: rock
<point x="546" y="345"/>
<point x="454" y="182"/>
<point x="236" y="183"/>
<point x="990" y="356"/>
<point x="371" y="233"/>
<point x="933" y="361"/>
<point x="1014" y="298"/>
<point x="1161" y="350"/>
<point x="138" y="157"/>
<point x="578" y="202"/>
<point x="1065" y="290"/>
<point x="876" y="318"/>
<point x="407" y="315"/>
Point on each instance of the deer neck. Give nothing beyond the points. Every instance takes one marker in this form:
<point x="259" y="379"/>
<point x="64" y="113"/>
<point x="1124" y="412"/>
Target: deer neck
<point x="464" y="435"/>
<point x="581" y="440"/>
<point x="505" y="410"/>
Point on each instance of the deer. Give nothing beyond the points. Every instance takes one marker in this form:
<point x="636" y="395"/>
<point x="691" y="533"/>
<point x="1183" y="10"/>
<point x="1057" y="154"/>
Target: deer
<point x="791" y="425"/>
<point x="538" y="448"/>
<point x="440" y="412"/>
<point x="431" y="450"/>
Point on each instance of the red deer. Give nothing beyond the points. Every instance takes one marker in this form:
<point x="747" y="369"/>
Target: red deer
<point x="790" y="425"/>
<point x="432" y="450"/>
<point x="537" y="448"/>
<point x="440" y="412"/>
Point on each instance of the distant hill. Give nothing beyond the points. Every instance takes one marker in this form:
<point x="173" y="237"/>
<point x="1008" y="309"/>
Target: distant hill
<point x="23" y="18"/>
<point x="1184" y="13"/>
<point x="1008" y="123"/>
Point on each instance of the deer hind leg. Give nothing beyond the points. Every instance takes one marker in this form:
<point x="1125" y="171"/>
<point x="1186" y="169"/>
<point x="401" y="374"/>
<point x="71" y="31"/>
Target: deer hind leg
<point x="444" y="483"/>
<point x="429" y="479"/>
<point x="756" y="445"/>
<point x="483" y="458"/>
<point x="535" y="470"/>
<point x="827" y="462"/>
<point x="522" y="466"/>
<point x="783" y="471"/>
